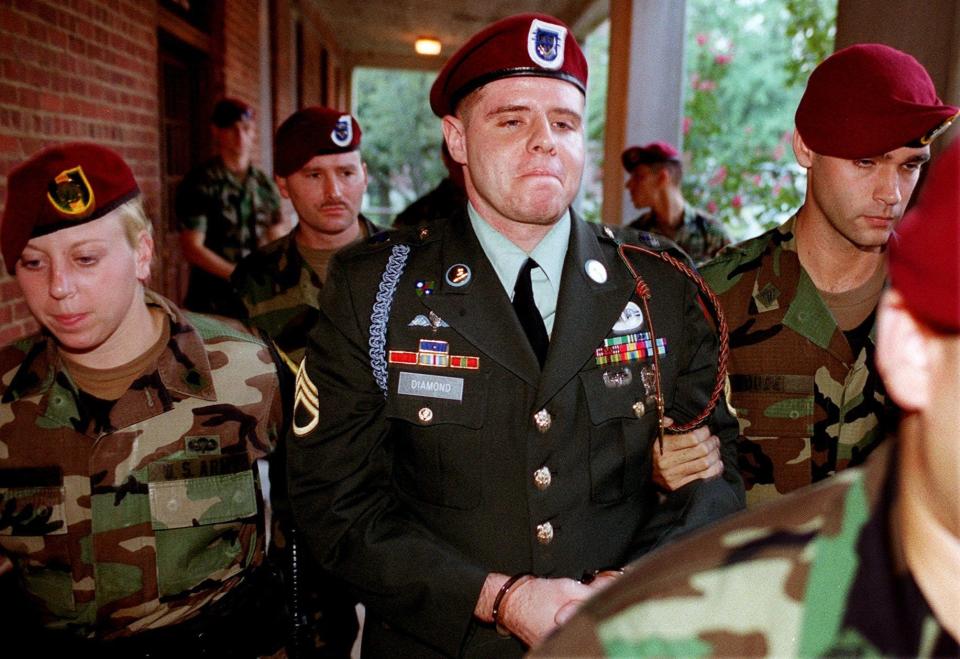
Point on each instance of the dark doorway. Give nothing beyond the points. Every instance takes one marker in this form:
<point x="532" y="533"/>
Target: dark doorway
<point x="184" y="141"/>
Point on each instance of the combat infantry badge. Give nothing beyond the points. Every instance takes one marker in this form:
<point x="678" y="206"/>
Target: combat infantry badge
<point x="545" y="44"/>
<point x="70" y="193"/>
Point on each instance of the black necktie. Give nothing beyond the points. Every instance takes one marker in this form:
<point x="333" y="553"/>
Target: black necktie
<point x="528" y="314"/>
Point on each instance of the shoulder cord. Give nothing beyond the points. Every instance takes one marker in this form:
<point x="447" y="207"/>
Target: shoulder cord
<point x="380" y="315"/>
<point x="643" y="291"/>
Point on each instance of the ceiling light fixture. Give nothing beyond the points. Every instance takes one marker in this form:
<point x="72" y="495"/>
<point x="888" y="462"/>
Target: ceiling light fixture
<point x="427" y="46"/>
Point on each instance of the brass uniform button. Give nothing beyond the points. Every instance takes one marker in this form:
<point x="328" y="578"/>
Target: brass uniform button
<point x="542" y="478"/>
<point x="425" y="414"/>
<point x="543" y="420"/>
<point x="545" y="533"/>
<point x="639" y="408"/>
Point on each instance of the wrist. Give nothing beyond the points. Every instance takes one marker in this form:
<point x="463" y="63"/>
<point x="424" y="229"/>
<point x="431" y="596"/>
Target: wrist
<point x="483" y="610"/>
<point x="509" y="586"/>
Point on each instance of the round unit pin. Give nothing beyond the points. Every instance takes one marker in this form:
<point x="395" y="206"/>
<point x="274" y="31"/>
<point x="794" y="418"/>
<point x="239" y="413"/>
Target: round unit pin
<point x="596" y="271"/>
<point x="458" y="275"/>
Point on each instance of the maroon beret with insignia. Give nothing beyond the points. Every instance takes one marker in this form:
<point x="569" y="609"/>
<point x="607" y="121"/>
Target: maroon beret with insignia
<point x="313" y="131"/>
<point x="649" y="154"/>
<point x="61" y="187"/>
<point x="867" y="100"/>
<point x="229" y="111"/>
<point x="521" y="45"/>
<point x="924" y="252"/>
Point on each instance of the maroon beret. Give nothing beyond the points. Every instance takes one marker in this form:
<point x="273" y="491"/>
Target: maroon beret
<point x="649" y="154"/>
<point x="924" y="252"/>
<point x="60" y="187"/>
<point x="521" y="45"/>
<point x="869" y="99"/>
<point x="313" y="131"/>
<point x="229" y="111"/>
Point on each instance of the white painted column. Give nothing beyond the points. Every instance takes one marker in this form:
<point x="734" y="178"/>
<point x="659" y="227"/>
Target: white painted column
<point x="645" y="95"/>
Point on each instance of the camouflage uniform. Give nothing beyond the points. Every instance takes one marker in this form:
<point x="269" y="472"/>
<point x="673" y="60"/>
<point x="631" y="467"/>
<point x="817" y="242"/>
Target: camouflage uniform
<point x="141" y="515"/>
<point x="813" y="574"/>
<point x="700" y="235"/>
<point x="279" y="290"/>
<point x="233" y="214"/>
<point x="808" y="405"/>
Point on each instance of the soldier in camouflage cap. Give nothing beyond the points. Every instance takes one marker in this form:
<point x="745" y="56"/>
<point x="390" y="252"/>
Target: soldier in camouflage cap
<point x="130" y="433"/>
<point x="318" y="167"/>
<point x="800" y="299"/>
<point x="862" y="565"/>
<point x="226" y="207"/>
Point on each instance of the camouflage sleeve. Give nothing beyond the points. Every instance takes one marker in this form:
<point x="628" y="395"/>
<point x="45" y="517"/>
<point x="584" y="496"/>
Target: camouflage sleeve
<point x="241" y="283"/>
<point x="340" y="480"/>
<point x="192" y="203"/>
<point x="271" y="199"/>
<point x="276" y="421"/>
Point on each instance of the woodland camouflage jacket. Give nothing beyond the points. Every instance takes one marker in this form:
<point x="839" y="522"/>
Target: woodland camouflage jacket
<point x="280" y="292"/>
<point x="136" y="517"/>
<point x="808" y="406"/>
<point x="813" y="574"/>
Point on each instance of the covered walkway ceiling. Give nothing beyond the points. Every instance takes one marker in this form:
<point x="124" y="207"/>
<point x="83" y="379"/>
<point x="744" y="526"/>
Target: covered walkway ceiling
<point x="381" y="32"/>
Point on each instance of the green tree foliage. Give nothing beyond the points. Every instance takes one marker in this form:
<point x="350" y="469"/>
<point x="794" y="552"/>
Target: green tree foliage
<point x="747" y="64"/>
<point x="596" y="47"/>
<point x="401" y="138"/>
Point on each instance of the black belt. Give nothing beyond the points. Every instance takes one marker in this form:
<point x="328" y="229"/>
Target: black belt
<point x="787" y="384"/>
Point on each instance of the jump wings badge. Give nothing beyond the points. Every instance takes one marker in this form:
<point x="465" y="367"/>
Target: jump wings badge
<point x="545" y="44"/>
<point x="70" y="193"/>
<point x="342" y="133"/>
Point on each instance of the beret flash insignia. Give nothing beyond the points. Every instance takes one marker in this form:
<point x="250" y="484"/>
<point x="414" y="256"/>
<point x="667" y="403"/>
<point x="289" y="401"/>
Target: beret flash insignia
<point x="545" y="44"/>
<point x="70" y="193"/>
<point x="935" y="132"/>
<point x="342" y="133"/>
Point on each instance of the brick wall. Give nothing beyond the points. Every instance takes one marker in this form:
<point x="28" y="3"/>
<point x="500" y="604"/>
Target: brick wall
<point x="241" y="59"/>
<point x="76" y="70"/>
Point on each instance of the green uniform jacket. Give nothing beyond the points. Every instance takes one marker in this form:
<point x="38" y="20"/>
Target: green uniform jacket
<point x="137" y="518"/>
<point x="808" y="406"/>
<point x="413" y="492"/>
<point x="233" y="214"/>
<point x="810" y="575"/>
<point x="279" y="291"/>
<point x="701" y="235"/>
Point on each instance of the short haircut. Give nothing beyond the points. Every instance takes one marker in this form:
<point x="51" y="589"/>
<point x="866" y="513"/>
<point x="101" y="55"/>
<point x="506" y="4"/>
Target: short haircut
<point x="135" y="220"/>
<point x="673" y="167"/>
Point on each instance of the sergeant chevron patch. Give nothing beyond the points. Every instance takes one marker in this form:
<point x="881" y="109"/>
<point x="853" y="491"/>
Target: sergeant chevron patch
<point x="306" y="412"/>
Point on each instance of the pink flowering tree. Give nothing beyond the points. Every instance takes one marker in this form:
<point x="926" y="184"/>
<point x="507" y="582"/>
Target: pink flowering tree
<point x="746" y="66"/>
